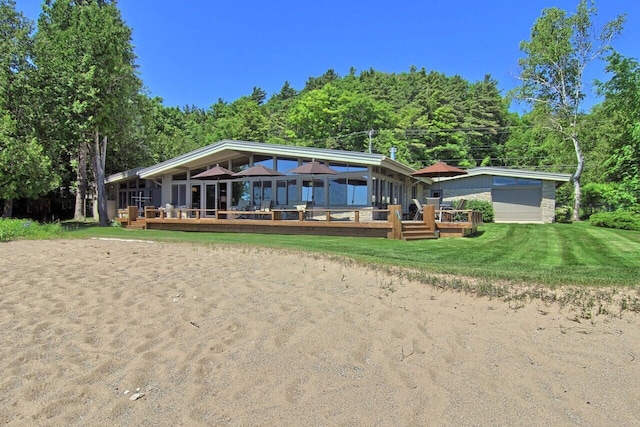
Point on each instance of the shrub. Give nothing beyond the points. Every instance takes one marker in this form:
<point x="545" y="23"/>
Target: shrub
<point x="563" y="214"/>
<point x="11" y="229"/>
<point x="622" y="220"/>
<point x="481" y="206"/>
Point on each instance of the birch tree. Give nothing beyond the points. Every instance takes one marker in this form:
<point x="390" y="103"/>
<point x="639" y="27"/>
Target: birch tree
<point x="552" y="72"/>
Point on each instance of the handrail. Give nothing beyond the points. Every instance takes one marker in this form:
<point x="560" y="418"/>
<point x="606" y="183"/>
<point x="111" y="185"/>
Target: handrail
<point x="330" y="214"/>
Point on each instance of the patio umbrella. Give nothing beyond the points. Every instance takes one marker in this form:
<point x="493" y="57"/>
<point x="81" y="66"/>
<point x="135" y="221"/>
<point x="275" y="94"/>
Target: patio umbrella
<point x="313" y="168"/>
<point x="439" y="170"/>
<point x="258" y="171"/>
<point x="217" y="172"/>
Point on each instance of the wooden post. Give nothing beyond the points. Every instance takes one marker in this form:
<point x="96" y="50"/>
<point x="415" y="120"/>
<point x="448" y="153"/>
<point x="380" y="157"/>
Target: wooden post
<point x="356" y="217"/>
<point x="198" y="214"/>
<point x="429" y="216"/>
<point x="395" y="218"/>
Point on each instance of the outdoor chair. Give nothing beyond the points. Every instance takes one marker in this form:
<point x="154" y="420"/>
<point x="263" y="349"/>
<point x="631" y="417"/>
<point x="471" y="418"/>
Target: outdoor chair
<point x="419" y="210"/>
<point x="242" y="206"/>
<point x="459" y="206"/>
<point x="265" y="206"/>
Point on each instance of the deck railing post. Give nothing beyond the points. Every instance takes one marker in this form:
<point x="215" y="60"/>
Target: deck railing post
<point x="429" y="216"/>
<point x="356" y="216"/>
<point x="395" y="218"/>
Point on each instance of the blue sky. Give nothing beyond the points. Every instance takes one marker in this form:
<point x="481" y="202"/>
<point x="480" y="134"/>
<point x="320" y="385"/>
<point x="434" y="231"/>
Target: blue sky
<point x="192" y="52"/>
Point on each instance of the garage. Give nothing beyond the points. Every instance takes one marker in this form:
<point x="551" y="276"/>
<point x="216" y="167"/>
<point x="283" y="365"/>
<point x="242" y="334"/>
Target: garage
<point x="517" y="204"/>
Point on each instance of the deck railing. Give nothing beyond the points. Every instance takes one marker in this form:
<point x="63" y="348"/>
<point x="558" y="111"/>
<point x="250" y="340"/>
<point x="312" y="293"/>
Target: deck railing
<point x="318" y="219"/>
<point x="316" y="214"/>
<point x="452" y="215"/>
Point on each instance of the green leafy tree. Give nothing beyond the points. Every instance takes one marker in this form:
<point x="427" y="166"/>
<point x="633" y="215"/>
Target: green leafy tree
<point x="86" y="65"/>
<point x="622" y="109"/>
<point x="552" y="71"/>
<point x="25" y="168"/>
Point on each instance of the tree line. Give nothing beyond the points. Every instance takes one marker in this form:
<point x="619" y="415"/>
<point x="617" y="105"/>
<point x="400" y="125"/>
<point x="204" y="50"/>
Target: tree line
<point x="73" y="110"/>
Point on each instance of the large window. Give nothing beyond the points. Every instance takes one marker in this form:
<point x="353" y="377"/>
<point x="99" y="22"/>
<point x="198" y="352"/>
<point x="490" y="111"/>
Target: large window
<point x="179" y="194"/>
<point x="505" y="181"/>
<point x="285" y="165"/>
<point x="348" y="191"/>
<point x="313" y="191"/>
<point x="286" y="191"/>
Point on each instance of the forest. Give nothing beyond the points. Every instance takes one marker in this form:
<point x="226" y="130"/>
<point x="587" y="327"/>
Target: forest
<point x="73" y="110"/>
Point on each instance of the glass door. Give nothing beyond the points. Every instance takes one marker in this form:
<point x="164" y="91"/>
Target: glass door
<point x="210" y="199"/>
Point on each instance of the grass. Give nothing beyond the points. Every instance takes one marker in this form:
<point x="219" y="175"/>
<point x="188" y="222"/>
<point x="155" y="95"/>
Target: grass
<point x="11" y="229"/>
<point x="550" y="254"/>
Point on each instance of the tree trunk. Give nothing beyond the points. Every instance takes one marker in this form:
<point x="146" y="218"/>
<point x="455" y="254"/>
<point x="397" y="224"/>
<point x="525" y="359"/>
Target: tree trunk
<point x="576" y="178"/>
<point x="99" y="157"/>
<point x="7" y="211"/>
<point x="81" y="179"/>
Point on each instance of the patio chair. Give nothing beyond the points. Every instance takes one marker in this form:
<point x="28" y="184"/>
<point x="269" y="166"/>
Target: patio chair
<point x="419" y="210"/>
<point x="459" y="206"/>
<point x="265" y="206"/>
<point x="242" y="206"/>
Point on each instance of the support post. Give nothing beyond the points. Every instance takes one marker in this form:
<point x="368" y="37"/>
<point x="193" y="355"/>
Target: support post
<point x="395" y="218"/>
<point x="429" y="216"/>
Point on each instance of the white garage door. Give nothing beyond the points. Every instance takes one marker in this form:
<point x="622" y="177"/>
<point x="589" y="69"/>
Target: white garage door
<point x="517" y="204"/>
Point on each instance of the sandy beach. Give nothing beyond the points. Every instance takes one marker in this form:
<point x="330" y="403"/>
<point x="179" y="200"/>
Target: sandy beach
<point x="212" y="335"/>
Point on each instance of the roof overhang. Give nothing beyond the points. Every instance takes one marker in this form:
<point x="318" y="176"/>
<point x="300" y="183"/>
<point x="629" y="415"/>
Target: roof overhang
<point x="225" y="150"/>
<point x="512" y="173"/>
<point x="123" y="176"/>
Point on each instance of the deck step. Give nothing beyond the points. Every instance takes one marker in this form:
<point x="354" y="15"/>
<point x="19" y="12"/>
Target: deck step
<point x="139" y="224"/>
<point x="417" y="231"/>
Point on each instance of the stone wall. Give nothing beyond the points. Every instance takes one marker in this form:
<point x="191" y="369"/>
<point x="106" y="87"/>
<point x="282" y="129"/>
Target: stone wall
<point x="548" y="204"/>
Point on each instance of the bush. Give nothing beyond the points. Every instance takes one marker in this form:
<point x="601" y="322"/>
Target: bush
<point x="11" y="229"/>
<point x="481" y="206"/>
<point x="622" y="220"/>
<point x="564" y="214"/>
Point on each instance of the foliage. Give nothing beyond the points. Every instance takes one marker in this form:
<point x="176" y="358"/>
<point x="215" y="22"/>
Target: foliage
<point x="482" y="206"/>
<point x="12" y="229"/>
<point x="84" y="56"/>
<point x="621" y="219"/>
<point x="25" y="168"/>
<point x="563" y="214"/>
<point x="552" y="72"/>
<point x="608" y="196"/>
<point x="621" y="112"/>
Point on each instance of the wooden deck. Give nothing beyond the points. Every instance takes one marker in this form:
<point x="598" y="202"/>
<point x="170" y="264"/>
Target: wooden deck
<point x="382" y="223"/>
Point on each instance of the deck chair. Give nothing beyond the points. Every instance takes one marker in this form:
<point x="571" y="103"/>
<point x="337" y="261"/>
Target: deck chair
<point x="419" y="210"/>
<point x="242" y="206"/>
<point x="459" y="206"/>
<point x="265" y="206"/>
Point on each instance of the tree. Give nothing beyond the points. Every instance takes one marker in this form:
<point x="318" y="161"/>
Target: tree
<point x="86" y="64"/>
<point x="25" y="169"/>
<point x="552" y="72"/>
<point x="622" y="108"/>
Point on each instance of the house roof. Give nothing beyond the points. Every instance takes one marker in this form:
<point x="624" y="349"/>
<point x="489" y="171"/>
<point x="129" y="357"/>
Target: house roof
<point x="513" y="173"/>
<point x="122" y="176"/>
<point x="228" y="149"/>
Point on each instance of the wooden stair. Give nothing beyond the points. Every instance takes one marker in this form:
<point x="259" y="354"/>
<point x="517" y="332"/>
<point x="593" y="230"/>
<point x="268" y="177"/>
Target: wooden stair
<point x="414" y="230"/>
<point x="137" y="224"/>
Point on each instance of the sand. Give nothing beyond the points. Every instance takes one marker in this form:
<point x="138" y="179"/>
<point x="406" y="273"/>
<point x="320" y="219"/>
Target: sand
<point x="230" y="336"/>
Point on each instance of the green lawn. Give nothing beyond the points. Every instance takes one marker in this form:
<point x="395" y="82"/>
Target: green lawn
<point x="552" y="254"/>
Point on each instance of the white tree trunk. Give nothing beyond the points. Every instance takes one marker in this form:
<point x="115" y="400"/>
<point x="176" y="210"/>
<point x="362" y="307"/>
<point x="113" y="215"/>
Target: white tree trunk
<point x="100" y="153"/>
<point x="81" y="179"/>
<point x="576" y="177"/>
